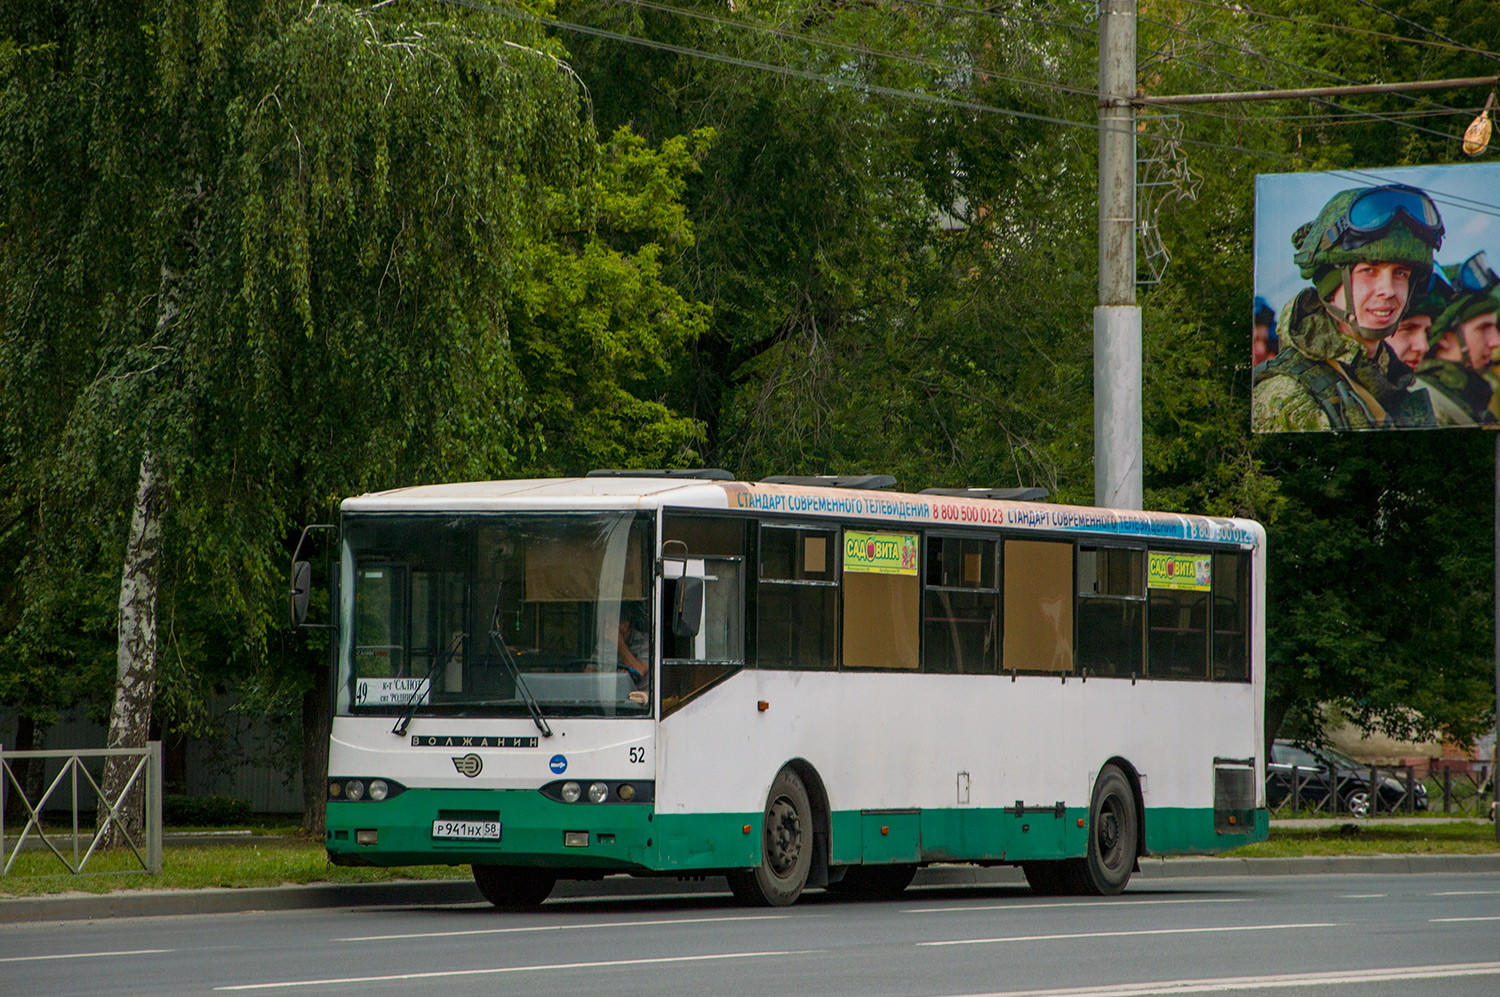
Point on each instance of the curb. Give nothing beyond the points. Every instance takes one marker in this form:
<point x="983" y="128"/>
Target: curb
<point x="174" y="903"/>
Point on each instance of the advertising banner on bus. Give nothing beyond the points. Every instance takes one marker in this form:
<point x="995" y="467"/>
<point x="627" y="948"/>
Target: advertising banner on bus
<point x="1376" y="295"/>
<point x="880" y="553"/>
<point x="1189" y="572"/>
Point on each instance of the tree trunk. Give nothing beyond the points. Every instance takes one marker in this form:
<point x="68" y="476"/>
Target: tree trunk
<point x="315" y="708"/>
<point x="30" y="772"/>
<point x="135" y="683"/>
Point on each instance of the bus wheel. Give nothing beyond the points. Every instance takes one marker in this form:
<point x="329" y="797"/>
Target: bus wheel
<point x="514" y="887"/>
<point x="874" y="882"/>
<point x="1112" y="838"/>
<point x="786" y="847"/>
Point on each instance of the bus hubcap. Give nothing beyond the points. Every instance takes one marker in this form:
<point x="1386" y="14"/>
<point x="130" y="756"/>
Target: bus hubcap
<point x="783" y="837"/>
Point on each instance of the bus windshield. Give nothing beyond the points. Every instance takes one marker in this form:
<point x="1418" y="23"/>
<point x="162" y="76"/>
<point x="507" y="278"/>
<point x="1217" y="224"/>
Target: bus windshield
<point x="474" y="615"/>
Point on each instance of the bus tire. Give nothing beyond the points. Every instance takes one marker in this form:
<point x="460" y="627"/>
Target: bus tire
<point x="514" y="887"/>
<point x="874" y="882"/>
<point x="786" y="847"/>
<point x="1113" y="837"/>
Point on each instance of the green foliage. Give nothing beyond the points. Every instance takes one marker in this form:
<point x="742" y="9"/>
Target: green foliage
<point x="178" y="810"/>
<point x="301" y="252"/>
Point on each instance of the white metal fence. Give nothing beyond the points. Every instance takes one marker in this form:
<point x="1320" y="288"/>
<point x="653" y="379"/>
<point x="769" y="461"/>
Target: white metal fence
<point x="145" y="777"/>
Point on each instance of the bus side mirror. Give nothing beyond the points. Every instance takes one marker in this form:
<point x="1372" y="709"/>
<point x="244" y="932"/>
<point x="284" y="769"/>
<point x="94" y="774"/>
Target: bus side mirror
<point x="300" y="591"/>
<point x="301" y="588"/>
<point x="688" y="613"/>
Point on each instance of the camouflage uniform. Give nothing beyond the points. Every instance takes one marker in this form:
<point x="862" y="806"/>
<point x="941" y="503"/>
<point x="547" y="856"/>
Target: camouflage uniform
<point x="1322" y="379"/>
<point x="1460" y="395"/>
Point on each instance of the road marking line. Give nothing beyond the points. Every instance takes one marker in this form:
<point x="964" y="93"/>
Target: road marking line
<point x="1070" y="903"/>
<point x="1466" y="893"/>
<point x="1447" y="920"/>
<point x="84" y="955"/>
<point x="1226" y="984"/>
<point x="566" y="927"/>
<point x="496" y="970"/>
<point x="1362" y="896"/>
<point x="1140" y="931"/>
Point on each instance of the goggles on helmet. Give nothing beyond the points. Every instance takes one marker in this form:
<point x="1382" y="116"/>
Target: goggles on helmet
<point x="1474" y="274"/>
<point x="1375" y="210"/>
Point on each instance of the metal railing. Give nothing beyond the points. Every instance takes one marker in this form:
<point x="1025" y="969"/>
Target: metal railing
<point x="145" y="777"/>
<point x="1306" y="791"/>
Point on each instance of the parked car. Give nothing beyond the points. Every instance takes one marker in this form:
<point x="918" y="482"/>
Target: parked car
<point x="1332" y="782"/>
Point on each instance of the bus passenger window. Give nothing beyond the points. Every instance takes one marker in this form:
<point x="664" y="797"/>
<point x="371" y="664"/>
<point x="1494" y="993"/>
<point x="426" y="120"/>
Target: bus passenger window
<point x="960" y="606"/>
<point x="1038" y="606"/>
<point x="1178" y="586"/>
<point x="1111" y="611"/>
<point x="1231" y="617"/>
<point x="797" y="598"/>
<point x="880" y="600"/>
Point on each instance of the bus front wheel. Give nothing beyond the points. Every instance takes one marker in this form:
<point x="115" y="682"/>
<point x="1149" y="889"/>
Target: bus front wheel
<point x="514" y="887"/>
<point x="786" y="847"/>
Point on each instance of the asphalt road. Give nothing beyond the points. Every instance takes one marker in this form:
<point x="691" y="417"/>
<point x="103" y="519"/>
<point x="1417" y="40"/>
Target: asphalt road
<point x="1334" y="936"/>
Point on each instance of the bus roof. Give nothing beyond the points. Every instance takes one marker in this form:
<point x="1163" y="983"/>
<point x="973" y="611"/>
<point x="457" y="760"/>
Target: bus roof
<point x="567" y="494"/>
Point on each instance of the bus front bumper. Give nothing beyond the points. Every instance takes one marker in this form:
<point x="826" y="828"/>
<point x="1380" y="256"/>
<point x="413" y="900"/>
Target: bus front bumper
<point x="523" y="827"/>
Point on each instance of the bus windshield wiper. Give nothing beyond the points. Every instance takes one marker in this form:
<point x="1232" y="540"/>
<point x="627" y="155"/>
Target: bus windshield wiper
<point x="410" y="709"/>
<point x="515" y="670"/>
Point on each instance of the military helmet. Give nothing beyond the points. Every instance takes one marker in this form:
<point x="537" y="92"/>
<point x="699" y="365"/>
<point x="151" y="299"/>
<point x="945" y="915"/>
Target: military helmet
<point x="1393" y="223"/>
<point x="1433" y="299"/>
<point x="1475" y="291"/>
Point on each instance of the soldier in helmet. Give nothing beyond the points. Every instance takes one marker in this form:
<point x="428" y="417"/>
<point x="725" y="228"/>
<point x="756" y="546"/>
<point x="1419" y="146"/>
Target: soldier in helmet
<point x="1263" y="344"/>
<point x="1413" y="339"/>
<point x="1365" y="252"/>
<point x="1464" y="338"/>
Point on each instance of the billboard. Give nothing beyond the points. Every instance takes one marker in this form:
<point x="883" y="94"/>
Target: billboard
<point x="1376" y="299"/>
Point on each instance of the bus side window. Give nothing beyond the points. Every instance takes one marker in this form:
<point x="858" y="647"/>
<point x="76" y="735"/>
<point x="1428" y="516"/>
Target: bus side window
<point x="881" y="600"/>
<point x="797" y="597"/>
<point x="1111" y="611"/>
<point x="1038" y="607"/>
<point x="693" y="664"/>
<point x="960" y="606"/>
<point x="1178" y="588"/>
<point x="1231" y="617"/>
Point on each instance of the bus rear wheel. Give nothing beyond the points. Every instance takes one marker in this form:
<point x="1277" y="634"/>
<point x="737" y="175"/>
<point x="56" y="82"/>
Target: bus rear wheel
<point x="514" y="887"/>
<point x="1113" y="836"/>
<point x="786" y="847"/>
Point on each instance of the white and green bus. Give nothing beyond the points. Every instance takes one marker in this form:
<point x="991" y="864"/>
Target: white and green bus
<point x="791" y="683"/>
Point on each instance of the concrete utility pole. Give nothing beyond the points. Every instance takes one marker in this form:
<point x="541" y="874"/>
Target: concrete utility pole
<point x="1117" y="319"/>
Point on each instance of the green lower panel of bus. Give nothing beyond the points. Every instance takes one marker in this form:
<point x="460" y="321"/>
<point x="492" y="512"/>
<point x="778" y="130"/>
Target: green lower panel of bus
<point x="520" y="827"/>
<point x="527" y="828"/>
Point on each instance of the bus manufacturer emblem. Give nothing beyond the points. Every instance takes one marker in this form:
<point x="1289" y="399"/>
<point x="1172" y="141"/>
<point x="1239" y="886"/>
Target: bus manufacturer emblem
<point x="470" y="765"/>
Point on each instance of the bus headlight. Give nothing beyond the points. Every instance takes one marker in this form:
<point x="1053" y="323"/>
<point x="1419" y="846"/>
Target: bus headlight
<point x="378" y="790"/>
<point x="354" y="790"/>
<point x="626" y="792"/>
<point x="598" y="792"/>
<point x="571" y="792"/>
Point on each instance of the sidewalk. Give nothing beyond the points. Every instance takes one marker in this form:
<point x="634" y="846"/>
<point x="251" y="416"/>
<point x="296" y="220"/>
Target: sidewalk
<point x="143" y="903"/>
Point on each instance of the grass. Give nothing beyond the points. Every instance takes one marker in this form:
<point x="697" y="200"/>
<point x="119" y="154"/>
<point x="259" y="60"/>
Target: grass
<point x="265" y="861"/>
<point x="1456" y="838"/>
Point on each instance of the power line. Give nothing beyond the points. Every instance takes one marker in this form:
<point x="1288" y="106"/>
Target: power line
<point x="790" y="71"/>
<point x="1300" y="22"/>
<point x="1287" y="63"/>
<point x="857" y="49"/>
<point x="1436" y="34"/>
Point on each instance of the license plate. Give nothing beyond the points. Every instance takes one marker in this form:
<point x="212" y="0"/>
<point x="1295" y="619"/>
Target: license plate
<point x="467" y="830"/>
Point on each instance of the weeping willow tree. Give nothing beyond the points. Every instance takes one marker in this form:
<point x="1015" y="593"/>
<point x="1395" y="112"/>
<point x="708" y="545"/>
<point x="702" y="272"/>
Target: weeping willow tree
<point x="260" y="254"/>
